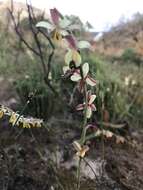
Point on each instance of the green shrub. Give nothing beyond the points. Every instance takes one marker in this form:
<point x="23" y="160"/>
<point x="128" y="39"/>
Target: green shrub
<point x="44" y="104"/>
<point x="129" y="55"/>
<point x="119" y="99"/>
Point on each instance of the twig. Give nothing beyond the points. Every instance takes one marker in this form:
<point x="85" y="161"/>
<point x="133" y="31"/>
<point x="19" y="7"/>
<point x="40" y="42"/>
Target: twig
<point x="16" y="27"/>
<point x="35" y="34"/>
<point x="36" y="38"/>
<point x="38" y="52"/>
<point x="91" y="169"/>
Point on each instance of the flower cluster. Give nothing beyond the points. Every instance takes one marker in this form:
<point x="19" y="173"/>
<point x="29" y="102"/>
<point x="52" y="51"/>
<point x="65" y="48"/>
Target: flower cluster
<point x="16" y="119"/>
<point x="57" y="26"/>
<point x="60" y="29"/>
<point x="83" y="77"/>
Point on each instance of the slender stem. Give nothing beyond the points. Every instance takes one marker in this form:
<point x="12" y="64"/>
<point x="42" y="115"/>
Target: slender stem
<point x="102" y="137"/>
<point x="83" y="134"/>
<point x="85" y="109"/>
<point x="103" y="148"/>
<point x="78" y="173"/>
<point x="49" y="63"/>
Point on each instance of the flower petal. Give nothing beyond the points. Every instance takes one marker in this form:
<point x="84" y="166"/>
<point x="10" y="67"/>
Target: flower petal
<point x="83" y="44"/>
<point x="64" y="23"/>
<point x="88" y="95"/>
<point x="91" y="99"/>
<point x="1" y="114"/>
<point x="68" y="57"/>
<point x="56" y="35"/>
<point x="90" y="81"/>
<point x="77" y="146"/>
<point x="74" y="27"/>
<point x="72" y="41"/>
<point x="55" y="15"/>
<point x="85" y="69"/>
<point x="65" y="69"/>
<point x="80" y="107"/>
<point x="64" y="44"/>
<point x="88" y="112"/>
<point x="107" y="133"/>
<point x="98" y="133"/>
<point x="76" y="58"/>
<point x="63" y="32"/>
<point x="75" y="77"/>
<point x="45" y="24"/>
<point x="73" y="55"/>
<point x="13" y="119"/>
<point x="26" y="125"/>
<point x="83" y="151"/>
<point x="120" y="139"/>
<point x="93" y="107"/>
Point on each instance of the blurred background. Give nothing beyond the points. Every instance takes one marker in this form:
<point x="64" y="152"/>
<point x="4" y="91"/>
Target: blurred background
<point x="115" y="31"/>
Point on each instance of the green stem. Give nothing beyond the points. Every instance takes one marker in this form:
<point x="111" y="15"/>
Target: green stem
<point x="103" y="148"/>
<point x="102" y="138"/>
<point x="78" y="174"/>
<point x="83" y="134"/>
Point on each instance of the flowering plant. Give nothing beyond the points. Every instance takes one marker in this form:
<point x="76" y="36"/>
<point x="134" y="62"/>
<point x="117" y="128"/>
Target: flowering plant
<point x="59" y="27"/>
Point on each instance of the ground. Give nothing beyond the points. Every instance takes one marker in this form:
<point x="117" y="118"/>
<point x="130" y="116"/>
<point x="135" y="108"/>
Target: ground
<point x="27" y="160"/>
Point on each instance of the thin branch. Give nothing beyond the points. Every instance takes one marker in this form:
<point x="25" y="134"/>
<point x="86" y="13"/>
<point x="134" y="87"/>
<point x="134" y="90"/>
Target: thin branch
<point x="35" y="34"/>
<point x="78" y="173"/>
<point x="38" y="52"/>
<point x="16" y="27"/>
<point x="87" y="163"/>
<point x="36" y="38"/>
<point x="39" y="29"/>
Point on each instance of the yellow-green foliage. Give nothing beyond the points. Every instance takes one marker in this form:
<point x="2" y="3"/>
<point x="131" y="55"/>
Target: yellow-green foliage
<point x="119" y="87"/>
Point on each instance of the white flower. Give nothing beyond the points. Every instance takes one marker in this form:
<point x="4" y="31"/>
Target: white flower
<point x="90" y="106"/>
<point x="86" y="78"/>
<point x="81" y="150"/>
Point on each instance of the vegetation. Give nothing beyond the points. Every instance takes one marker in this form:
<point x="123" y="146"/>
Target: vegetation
<point x="48" y="87"/>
